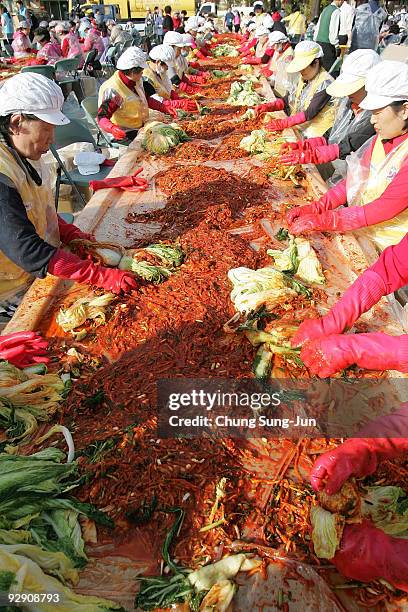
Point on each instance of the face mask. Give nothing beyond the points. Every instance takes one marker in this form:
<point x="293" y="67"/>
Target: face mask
<point x="160" y="69"/>
<point x="184" y="53"/>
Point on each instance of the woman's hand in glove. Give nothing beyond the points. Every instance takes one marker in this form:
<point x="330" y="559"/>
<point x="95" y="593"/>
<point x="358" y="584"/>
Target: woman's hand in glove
<point x="316" y="155"/>
<point x="367" y="553"/>
<point x="376" y="351"/>
<point x="69" y="266"/>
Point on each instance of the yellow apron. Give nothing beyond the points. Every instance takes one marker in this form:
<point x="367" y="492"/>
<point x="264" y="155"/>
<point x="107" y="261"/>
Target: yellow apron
<point x="302" y="98"/>
<point x="161" y="83"/>
<point x="134" y="110"/>
<point x="380" y="173"/>
<point x="39" y="204"/>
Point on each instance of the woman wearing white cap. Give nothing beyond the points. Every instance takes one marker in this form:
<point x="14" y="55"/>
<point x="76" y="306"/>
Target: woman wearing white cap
<point x="200" y="49"/>
<point x="376" y="183"/>
<point x="282" y="55"/>
<point x="70" y="45"/>
<point x="31" y="232"/>
<point x="262" y="55"/>
<point x="177" y="70"/>
<point x="309" y="104"/>
<point x="352" y="125"/>
<point x="250" y="41"/>
<point x="195" y="75"/>
<point x="156" y="74"/>
<point x="124" y="99"/>
<point x="21" y="43"/>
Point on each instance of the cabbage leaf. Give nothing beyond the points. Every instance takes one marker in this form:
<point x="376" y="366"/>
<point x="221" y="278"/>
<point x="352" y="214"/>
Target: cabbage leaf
<point x="327" y="531"/>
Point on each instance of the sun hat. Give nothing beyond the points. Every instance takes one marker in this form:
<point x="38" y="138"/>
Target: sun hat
<point x="305" y="53"/>
<point x="353" y="73"/>
<point x="173" y="38"/>
<point x="277" y="37"/>
<point x="386" y="83"/>
<point x="261" y="31"/>
<point x="33" y="94"/>
<point x="163" y="53"/>
<point x="133" y="57"/>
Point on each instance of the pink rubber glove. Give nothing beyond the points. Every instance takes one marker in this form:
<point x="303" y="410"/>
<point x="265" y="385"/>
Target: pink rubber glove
<point x="188" y="105"/>
<point x="374" y="351"/>
<point x="361" y="457"/>
<point x="277" y="125"/>
<point x="318" y="155"/>
<point x="366" y="553"/>
<point x="304" y="145"/>
<point x="366" y="291"/>
<point x="69" y="232"/>
<point x="335" y="197"/>
<point x="243" y="49"/>
<point x="23" y="349"/>
<point x="343" y="220"/>
<point x="275" y="105"/>
<point x="188" y="89"/>
<point x="69" y="266"/>
<point x="252" y="60"/>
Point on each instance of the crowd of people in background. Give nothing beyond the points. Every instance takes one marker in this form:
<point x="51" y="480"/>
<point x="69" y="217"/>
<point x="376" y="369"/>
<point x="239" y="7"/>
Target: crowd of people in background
<point x="363" y="26"/>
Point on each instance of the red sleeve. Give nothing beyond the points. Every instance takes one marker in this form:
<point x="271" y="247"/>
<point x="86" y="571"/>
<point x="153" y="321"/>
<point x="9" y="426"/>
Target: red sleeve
<point x="392" y="266"/>
<point x="64" y="47"/>
<point x="392" y="202"/>
<point x="156" y="105"/>
<point x="110" y="104"/>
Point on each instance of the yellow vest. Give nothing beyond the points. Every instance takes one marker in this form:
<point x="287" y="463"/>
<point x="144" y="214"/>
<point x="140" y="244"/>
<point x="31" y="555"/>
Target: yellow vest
<point x="39" y="204"/>
<point x="134" y="110"/>
<point x="381" y="172"/>
<point x="161" y="83"/>
<point x="323" y="120"/>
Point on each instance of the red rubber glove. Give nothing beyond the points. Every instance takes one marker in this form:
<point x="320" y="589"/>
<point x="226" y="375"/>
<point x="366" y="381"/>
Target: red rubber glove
<point x="252" y="60"/>
<point x="318" y="155"/>
<point x="188" y="105"/>
<point x="243" y="49"/>
<point x="366" y="291"/>
<point x="343" y="220"/>
<point x="111" y="128"/>
<point x="188" y="89"/>
<point x="194" y="65"/>
<point x="196" y="78"/>
<point x="335" y="197"/>
<point x="304" y="145"/>
<point x="275" y="105"/>
<point x="266" y="72"/>
<point x="199" y="54"/>
<point x="23" y="349"/>
<point x="361" y="457"/>
<point x="126" y="183"/>
<point x="159" y="106"/>
<point x="69" y="266"/>
<point x="69" y="232"/>
<point x="277" y="125"/>
<point x="374" y="351"/>
<point x="366" y="553"/>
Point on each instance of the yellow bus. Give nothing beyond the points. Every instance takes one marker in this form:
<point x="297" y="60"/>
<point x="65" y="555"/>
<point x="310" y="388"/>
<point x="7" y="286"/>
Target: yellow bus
<point x="132" y="9"/>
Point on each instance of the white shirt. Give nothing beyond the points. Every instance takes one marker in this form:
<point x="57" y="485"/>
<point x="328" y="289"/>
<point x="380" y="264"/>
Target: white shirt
<point x="333" y="28"/>
<point x="346" y="19"/>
